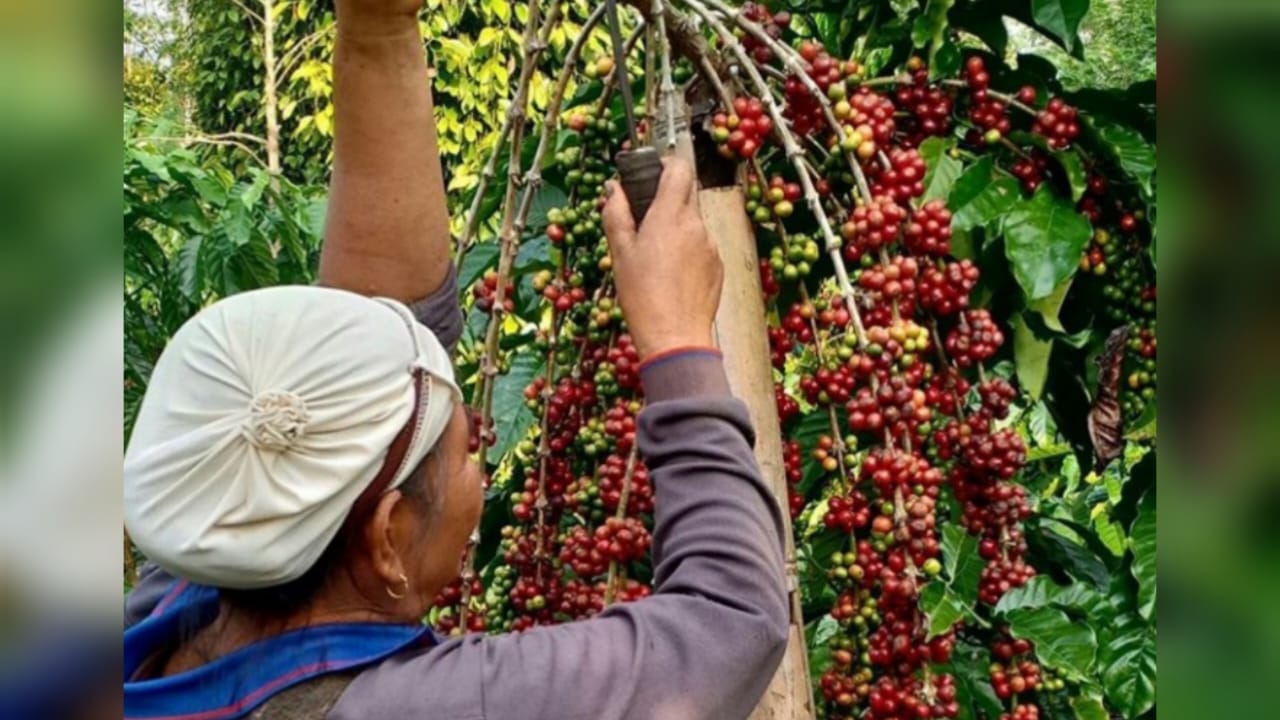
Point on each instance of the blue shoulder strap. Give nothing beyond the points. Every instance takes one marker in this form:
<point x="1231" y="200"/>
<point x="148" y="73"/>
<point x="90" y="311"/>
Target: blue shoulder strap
<point x="234" y="685"/>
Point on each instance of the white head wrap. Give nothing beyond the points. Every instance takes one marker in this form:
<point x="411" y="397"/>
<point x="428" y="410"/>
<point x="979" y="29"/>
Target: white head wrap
<point x="267" y="416"/>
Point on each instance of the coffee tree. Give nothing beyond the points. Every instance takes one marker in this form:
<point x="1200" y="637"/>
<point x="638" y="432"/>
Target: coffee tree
<point x="958" y="260"/>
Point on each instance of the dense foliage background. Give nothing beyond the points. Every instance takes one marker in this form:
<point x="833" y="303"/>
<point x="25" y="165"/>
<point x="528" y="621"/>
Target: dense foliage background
<point x="220" y="197"/>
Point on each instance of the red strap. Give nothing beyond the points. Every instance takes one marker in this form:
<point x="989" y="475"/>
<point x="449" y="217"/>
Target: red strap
<point x="677" y="351"/>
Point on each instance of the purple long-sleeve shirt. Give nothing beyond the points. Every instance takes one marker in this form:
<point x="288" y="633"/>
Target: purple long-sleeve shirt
<point x="704" y="645"/>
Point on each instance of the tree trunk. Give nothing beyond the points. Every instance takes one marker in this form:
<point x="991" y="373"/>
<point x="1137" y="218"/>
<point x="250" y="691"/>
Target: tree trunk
<point x="741" y="334"/>
<point x="271" y="103"/>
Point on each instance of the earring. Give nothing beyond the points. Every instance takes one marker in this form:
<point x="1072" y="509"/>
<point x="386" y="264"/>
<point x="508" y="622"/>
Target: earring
<point x="402" y="595"/>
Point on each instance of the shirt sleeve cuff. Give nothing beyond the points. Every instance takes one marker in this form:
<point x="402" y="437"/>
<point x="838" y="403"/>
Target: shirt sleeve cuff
<point x="440" y="311"/>
<point x="684" y="373"/>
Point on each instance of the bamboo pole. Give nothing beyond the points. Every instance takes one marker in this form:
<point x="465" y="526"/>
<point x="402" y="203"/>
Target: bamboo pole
<point x="741" y="335"/>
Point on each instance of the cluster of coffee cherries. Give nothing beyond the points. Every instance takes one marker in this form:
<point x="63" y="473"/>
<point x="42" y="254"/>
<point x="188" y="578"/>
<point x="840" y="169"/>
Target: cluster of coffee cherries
<point x="907" y="389"/>
<point x="1116" y="257"/>
<point x="580" y="497"/>
<point x="796" y="259"/>
<point x="741" y="133"/>
<point x="775" y="24"/>
<point x="446" y="612"/>
<point x="485" y="293"/>
<point x="929" y="105"/>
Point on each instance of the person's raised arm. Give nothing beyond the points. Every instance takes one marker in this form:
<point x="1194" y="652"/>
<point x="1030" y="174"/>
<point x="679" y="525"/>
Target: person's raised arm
<point x="387" y="231"/>
<point x="708" y="640"/>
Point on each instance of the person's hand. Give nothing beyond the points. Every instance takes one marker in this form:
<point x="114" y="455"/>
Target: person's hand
<point x="378" y="17"/>
<point x="384" y="7"/>
<point x="668" y="273"/>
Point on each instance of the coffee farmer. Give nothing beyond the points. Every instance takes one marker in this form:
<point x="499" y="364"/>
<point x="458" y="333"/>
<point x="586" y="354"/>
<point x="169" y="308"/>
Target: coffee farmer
<point x="299" y="473"/>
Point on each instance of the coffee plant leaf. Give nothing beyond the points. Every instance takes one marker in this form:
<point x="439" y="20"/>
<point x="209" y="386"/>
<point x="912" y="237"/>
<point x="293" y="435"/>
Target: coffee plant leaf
<point x="1130" y="151"/>
<point x="1031" y="355"/>
<point x="979" y="196"/>
<point x="1142" y="541"/>
<point x="1073" y="168"/>
<point x="1129" y="675"/>
<point x="1078" y="556"/>
<point x="930" y="28"/>
<point x="1060" y="642"/>
<point x="1061" y="20"/>
<point x="509" y="403"/>
<point x="974" y="693"/>
<point x="1044" y="591"/>
<point x="1049" y="308"/>
<point x="962" y="562"/>
<point x="1044" y="237"/>
<point x="478" y="259"/>
<point x="1088" y="707"/>
<point x="942" y="608"/>
<point x="942" y="170"/>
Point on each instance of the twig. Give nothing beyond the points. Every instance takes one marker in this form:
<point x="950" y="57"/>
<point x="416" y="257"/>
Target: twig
<point x="512" y="125"/>
<point x="534" y="43"/>
<point x="249" y="11"/>
<point x="508" y="239"/>
<point x="296" y="52"/>
<point x="532" y="184"/>
<point x="624" y="497"/>
<point x="794" y="154"/>
<point x="668" y="88"/>
<point x="791" y="59"/>
<point x="218" y="140"/>
<point x="1005" y="98"/>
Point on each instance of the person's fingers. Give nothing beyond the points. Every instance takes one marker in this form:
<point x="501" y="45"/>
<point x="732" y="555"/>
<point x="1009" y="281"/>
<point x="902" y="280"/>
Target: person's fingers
<point x="619" y="226"/>
<point x="676" y="187"/>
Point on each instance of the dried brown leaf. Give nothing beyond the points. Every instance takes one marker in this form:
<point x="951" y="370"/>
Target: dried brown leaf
<point x="1106" y="423"/>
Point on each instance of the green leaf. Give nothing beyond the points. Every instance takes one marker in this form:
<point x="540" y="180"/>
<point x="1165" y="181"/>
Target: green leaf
<point x="931" y="26"/>
<point x="314" y="215"/>
<point x="1110" y="533"/>
<point x="512" y="417"/>
<point x="941" y="169"/>
<point x="1127" y="148"/>
<point x="1060" y="642"/>
<point x="1031" y="356"/>
<point x="1061" y="18"/>
<point x="1044" y="237"/>
<point x="1050" y="307"/>
<point x="1042" y="591"/>
<point x="190" y="279"/>
<point x="984" y="21"/>
<point x="1049" y="539"/>
<point x="979" y="196"/>
<point x="1089" y="707"/>
<point x="823" y="630"/>
<point x="974" y="693"/>
<point x="941" y="607"/>
<point x="946" y="61"/>
<point x="238" y="225"/>
<point x="478" y="259"/>
<point x="962" y="562"/>
<point x="1142" y="540"/>
<point x="1129" y="675"/>
<point x="153" y="163"/>
<point x="253" y="193"/>
<point x="1073" y="167"/>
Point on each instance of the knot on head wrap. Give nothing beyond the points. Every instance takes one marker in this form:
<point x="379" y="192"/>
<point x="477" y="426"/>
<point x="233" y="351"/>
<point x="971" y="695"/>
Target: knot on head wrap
<point x="277" y="419"/>
<point x="267" y="416"/>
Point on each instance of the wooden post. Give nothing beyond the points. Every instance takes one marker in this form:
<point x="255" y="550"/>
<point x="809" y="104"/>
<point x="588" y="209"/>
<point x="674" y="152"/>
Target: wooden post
<point x="741" y="334"/>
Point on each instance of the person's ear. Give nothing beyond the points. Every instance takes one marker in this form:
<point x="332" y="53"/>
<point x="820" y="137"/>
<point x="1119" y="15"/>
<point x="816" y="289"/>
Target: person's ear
<point x="381" y="538"/>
